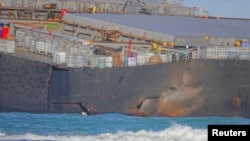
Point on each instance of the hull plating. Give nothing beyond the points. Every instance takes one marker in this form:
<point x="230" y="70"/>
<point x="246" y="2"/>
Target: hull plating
<point x="192" y="88"/>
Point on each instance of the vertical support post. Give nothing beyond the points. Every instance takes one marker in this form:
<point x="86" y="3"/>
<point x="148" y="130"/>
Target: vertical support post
<point x="129" y="47"/>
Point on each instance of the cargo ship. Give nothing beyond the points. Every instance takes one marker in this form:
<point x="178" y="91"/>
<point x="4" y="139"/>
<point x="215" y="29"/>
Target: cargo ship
<point x="98" y="63"/>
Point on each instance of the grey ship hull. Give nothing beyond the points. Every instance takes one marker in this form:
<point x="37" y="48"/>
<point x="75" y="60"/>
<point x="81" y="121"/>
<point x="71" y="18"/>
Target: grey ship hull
<point x="190" y="88"/>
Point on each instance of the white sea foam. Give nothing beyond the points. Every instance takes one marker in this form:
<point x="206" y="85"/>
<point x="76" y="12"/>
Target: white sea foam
<point x="174" y="133"/>
<point x="2" y="135"/>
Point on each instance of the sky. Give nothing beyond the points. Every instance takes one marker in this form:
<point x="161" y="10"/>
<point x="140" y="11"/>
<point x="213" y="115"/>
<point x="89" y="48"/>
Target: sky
<point x="223" y="8"/>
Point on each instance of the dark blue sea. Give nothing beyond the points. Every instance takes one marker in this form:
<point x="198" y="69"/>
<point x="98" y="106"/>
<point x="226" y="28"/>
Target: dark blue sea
<point x="107" y="127"/>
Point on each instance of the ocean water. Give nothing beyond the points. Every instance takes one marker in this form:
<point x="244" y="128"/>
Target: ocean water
<point x="107" y="127"/>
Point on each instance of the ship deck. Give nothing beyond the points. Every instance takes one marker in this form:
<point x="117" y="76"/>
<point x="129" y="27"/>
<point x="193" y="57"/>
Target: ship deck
<point x="182" y="30"/>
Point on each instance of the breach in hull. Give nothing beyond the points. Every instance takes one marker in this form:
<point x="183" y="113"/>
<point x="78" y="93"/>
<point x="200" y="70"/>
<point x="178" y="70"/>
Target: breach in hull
<point x="191" y="88"/>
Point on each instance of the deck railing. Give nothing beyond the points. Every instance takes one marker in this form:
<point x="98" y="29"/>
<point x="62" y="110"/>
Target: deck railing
<point x="97" y="61"/>
<point x="227" y="52"/>
<point x="38" y="47"/>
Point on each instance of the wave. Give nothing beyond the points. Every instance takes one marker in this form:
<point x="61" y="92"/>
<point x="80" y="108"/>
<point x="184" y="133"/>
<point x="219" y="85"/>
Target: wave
<point x="175" y="132"/>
